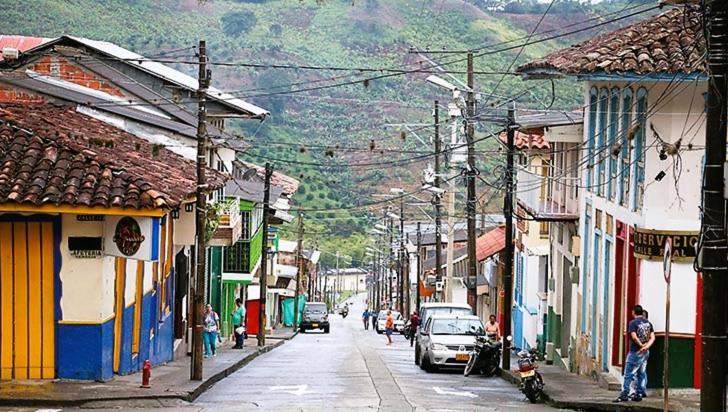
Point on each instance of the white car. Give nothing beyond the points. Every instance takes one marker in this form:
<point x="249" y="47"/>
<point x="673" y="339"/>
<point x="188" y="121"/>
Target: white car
<point x="382" y="321"/>
<point x="447" y="341"/>
<point x="440" y="309"/>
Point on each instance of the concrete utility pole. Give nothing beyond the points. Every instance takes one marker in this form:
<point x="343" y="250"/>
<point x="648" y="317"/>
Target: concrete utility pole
<point x="337" y="282"/>
<point x="264" y="259"/>
<point x="390" y="229"/>
<point x="714" y="249"/>
<point x="419" y="267"/>
<point x="299" y="273"/>
<point x="471" y="280"/>
<point x="508" y="251"/>
<point x="400" y="294"/>
<point x="203" y="80"/>
<point x="437" y="200"/>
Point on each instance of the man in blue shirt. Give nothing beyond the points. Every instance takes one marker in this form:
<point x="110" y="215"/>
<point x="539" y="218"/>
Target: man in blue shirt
<point x="365" y="318"/>
<point x="641" y="337"/>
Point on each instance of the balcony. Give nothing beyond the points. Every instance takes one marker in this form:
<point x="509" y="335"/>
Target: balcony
<point x="231" y="224"/>
<point x="548" y="198"/>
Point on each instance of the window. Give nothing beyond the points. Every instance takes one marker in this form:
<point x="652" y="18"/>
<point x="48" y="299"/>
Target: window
<point x="639" y="149"/>
<point x="600" y="138"/>
<point x="237" y="258"/>
<point x="245" y="216"/>
<point x="612" y="140"/>
<point x="626" y="153"/>
<point x="590" y="137"/>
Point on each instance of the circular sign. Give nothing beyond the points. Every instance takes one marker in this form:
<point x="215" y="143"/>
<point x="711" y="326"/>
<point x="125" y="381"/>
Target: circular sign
<point x="128" y="236"/>
<point x="667" y="259"/>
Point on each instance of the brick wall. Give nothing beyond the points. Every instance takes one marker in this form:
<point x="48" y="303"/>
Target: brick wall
<point x="10" y="95"/>
<point x="61" y="68"/>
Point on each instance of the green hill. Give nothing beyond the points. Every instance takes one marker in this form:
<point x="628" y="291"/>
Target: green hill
<point x="312" y="133"/>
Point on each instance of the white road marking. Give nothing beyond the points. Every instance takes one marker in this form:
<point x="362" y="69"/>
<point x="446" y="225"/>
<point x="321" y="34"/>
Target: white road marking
<point x="454" y="392"/>
<point x="297" y="390"/>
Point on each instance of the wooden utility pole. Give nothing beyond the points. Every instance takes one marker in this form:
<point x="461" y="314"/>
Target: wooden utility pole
<point x="508" y="251"/>
<point x="437" y="199"/>
<point x="714" y="248"/>
<point x="264" y="259"/>
<point x="471" y="280"/>
<point x="419" y="267"/>
<point x="203" y="82"/>
<point x="299" y="273"/>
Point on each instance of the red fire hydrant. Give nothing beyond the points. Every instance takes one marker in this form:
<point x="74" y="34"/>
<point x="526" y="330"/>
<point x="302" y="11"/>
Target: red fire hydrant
<point x="146" y="374"/>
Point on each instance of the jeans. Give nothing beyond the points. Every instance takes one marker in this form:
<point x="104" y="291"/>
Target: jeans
<point x="635" y="369"/>
<point x="366" y="323"/>
<point x="239" y="338"/>
<point x="210" y="341"/>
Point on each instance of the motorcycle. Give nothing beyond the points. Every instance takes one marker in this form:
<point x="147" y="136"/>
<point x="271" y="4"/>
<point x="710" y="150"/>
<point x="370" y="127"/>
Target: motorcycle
<point x="344" y="313"/>
<point x="407" y="331"/>
<point x="485" y="356"/>
<point x="531" y="381"/>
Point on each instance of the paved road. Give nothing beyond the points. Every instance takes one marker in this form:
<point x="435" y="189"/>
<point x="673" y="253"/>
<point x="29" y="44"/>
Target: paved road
<point x="347" y="370"/>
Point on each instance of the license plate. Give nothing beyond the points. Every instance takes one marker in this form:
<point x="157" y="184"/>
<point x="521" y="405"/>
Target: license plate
<point x="462" y="356"/>
<point x="527" y="374"/>
<point x="314" y="325"/>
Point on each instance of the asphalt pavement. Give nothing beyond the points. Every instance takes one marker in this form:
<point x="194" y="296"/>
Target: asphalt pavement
<point x="349" y="369"/>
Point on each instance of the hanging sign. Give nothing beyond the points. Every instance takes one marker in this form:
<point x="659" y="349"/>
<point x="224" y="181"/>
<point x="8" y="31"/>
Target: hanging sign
<point x="132" y="237"/>
<point x="650" y="244"/>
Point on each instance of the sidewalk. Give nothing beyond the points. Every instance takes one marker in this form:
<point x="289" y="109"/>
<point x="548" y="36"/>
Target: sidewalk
<point x="170" y="381"/>
<point x="571" y="391"/>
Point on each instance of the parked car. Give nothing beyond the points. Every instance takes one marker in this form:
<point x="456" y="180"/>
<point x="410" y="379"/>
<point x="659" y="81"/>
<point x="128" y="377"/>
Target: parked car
<point x="429" y="309"/>
<point x="448" y="340"/>
<point x="382" y="321"/>
<point x="314" y="316"/>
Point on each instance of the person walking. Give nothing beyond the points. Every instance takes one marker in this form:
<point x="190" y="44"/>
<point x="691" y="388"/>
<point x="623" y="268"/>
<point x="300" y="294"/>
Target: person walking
<point x="641" y="337"/>
<point x="414" y="323"/>
<point x="492" y="329"/>
<point x="211" y="322"/>
<point x="239" y="324"/>
<point x="389" y="326"/>
<point x="374" y="314"/>
<point x="365" y="318"/>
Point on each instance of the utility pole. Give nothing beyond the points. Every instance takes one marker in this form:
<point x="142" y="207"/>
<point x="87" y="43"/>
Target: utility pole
<point x="390" y="228"/>
<point x="203" y="80"/>
<point x="508" y="251"/>
<point x="450" y="217"/>
<point x="437" y="199"/>
<point x="471" y="173"/>
<point x="400" y="295"/>
<point x="714" y="250"/>
<point x="299" y="273"/>
<point x="337" y="284"/>
<point x="419" y="267"/>
<point x="264" y="259"/>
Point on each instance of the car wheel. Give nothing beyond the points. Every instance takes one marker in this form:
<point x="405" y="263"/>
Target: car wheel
<point x="379" y="331"/>
<point x="422" y="361"/>
<point x="303" y="330"/>
<point x="428" y="366"/>
<point x="326" y="330"/>
<point x="417" y="356"/>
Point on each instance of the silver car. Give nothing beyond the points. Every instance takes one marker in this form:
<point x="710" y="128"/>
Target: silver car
<point x="437" y="308"/>
<point x="446" y="341"/>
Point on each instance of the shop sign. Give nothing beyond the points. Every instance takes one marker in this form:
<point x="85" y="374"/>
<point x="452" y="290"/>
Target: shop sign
<point x="650" y="244"/>
<point x="132" y="237"/>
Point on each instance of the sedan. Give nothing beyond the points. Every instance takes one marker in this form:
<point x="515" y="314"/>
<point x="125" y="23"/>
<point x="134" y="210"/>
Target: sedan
<point x="446" y="341"/>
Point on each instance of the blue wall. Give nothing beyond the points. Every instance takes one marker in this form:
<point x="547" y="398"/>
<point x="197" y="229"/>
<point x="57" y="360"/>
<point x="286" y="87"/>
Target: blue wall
<point x="85" y="351"/>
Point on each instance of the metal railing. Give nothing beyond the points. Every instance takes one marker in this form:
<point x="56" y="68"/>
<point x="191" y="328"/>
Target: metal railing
<point x="548" y="197"/>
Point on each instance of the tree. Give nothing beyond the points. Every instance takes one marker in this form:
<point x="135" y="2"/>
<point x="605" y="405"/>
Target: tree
<point x="235" y="23"/>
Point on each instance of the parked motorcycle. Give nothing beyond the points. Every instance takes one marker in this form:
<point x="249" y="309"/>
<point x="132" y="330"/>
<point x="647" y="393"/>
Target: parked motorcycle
<point x="485" y="357"/>
<point x="407" y="331"/>
<point x="531" y="381"/>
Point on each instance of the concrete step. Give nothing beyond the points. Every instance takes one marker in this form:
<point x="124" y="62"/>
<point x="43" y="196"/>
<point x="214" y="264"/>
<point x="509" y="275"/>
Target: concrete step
<point x="609" y="382"/>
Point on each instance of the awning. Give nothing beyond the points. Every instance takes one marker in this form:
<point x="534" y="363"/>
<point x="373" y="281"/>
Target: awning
<point x="281" y="292"/>
<point x="286" y="271"/>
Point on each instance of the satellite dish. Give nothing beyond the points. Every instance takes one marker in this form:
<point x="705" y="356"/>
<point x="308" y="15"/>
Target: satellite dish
<point x="249" y="174"/>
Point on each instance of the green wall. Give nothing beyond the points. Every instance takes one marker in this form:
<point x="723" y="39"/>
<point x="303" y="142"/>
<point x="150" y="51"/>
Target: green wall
<point x="682" y="351"/>
<point x="215" y="277"/>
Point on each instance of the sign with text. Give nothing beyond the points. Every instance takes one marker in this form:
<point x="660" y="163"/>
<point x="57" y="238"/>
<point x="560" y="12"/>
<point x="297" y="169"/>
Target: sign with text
<point x="132" y="237"/>
<point x="650" y="244"/>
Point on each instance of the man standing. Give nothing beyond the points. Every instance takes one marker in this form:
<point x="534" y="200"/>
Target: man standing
<point x="641" y="337"/>
<point x="389" y="326"/>
<point x="365" y="318"/>
<point x="414" y="323"/>
<point x="374" y="313"/>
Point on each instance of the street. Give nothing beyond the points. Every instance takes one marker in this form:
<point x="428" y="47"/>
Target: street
<point x="349" y="369"/>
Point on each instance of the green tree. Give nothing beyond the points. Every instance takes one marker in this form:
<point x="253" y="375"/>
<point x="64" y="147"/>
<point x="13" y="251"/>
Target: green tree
<point x="235" y="23"/>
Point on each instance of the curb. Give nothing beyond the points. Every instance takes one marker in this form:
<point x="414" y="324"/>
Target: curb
<point x="582" y="405"/>
<point x="188" y="396"/>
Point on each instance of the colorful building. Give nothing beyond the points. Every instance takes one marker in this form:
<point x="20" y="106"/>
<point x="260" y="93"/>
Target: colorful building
<point x="93" y="224"/>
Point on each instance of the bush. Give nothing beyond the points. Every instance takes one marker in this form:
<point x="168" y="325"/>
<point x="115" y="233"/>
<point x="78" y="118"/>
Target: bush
<point x="275" y="30"/>
<point x="235" y="23"/>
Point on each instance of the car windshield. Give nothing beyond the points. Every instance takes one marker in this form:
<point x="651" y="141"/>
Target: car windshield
<point x="395" y="314"/>
<point x="320" y="308"/>
<point x="455" y="326"/>
<point x="445" y="311"/>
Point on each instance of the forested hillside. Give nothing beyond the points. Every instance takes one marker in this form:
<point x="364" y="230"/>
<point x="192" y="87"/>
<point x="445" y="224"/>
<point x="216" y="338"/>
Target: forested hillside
<point x="329" y="116"/>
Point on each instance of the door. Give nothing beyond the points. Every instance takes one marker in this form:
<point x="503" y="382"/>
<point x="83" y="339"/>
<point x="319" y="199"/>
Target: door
<point x="605" y="305"/>
<point x="27" y="299"/>
<point x="181" y="285"/>
<point x="617" y="344"/>
<point x="565" y="306"/>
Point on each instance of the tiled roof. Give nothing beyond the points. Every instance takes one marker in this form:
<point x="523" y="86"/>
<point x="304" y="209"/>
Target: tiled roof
<point x="289" y="184"/>
<point x="532" y="140"/>
<point x="490" y="243"/>
<point x="55" y="155"/>
<point x="22" y="43"/>
<point x="671" y="42"/>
